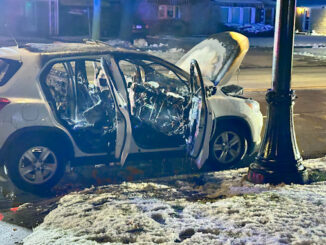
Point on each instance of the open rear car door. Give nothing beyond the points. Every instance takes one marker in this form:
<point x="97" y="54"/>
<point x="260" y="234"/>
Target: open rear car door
<point x="200" y="118"/>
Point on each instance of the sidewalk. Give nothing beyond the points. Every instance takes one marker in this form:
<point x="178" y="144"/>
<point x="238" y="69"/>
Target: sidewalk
<point x="12" y="234"/>
<point x="210" y="208"/>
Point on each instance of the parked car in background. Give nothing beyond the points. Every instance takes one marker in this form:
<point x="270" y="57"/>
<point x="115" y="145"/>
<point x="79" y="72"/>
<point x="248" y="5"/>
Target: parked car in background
<point x="139" y="28"/>
<point x="90" y="102"/>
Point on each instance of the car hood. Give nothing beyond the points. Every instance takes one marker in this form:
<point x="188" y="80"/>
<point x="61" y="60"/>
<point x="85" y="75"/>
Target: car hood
<point x="218" y="56"/>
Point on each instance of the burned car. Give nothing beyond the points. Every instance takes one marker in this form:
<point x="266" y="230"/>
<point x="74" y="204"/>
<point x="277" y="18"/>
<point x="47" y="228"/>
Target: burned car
<point x="90" y="102"/>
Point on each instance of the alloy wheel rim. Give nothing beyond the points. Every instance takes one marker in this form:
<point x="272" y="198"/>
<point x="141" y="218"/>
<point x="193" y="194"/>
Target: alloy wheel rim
<point x="227" y="147"/>
<point x="37" y="165"/>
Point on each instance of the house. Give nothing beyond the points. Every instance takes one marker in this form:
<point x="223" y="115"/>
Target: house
<point x="207" y="16"/>
<point x="56" y="17"/>
<point x="28" y="17"/>
<point x="311" y="16"/>
<point x="178" y="16"/>
<point x="247" y="15"/>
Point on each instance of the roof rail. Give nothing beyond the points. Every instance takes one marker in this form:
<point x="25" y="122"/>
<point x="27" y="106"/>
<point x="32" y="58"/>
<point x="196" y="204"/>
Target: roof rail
<point x="91" y="41"/>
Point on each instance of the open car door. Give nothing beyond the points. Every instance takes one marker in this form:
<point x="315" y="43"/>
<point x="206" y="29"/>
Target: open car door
<point x="200" y="118"/>
<point x="123" y="124"/>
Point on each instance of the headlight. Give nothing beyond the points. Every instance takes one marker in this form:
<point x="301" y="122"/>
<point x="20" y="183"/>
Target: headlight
<point x="254" y="105"/>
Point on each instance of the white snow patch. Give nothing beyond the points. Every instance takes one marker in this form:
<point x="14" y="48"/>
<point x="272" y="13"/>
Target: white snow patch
<point x="300" y="41"/>
<point x="119" y="43"/>
<point x="140" y="43"/>
<point x="160" y="45"/>
<point x="145" y="213"/>
<point x="172" y="55"/>
<point x="252" y="28"/>
<point x="317" y="51"/>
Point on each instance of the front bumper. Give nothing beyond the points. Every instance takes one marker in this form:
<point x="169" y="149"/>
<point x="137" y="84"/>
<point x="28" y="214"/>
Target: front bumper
<point x="253" y="148"/>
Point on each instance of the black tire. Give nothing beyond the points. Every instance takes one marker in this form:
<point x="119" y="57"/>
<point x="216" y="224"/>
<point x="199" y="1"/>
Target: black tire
<point x="227" y="152"/>
<point x="17" y="158"/>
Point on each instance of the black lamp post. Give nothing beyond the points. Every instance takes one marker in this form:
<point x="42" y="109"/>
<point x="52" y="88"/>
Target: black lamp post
<point x="279" y="159"/>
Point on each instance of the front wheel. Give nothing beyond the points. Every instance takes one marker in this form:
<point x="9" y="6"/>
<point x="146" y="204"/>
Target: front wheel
<point x="227" y="147"/>
<point x="35" y="166"/>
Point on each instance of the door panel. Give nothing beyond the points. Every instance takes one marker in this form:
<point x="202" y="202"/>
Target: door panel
<point x="200" y="118"/>
<point x="123" y="126"/>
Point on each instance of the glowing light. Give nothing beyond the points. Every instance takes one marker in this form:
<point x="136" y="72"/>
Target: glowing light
<point x="300" y="10"/>
<point x="14" y="209"/>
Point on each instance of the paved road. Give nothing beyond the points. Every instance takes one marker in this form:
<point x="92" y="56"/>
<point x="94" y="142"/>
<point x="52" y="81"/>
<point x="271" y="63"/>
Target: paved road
<point x="309" y="80"/>
<point x="309" y="119"/>
<point x="256" y="71"/>
<point x="259" y="79"/>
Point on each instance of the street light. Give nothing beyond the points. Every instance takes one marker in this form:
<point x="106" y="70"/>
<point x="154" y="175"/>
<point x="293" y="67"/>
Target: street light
<point x="279" y="159"/>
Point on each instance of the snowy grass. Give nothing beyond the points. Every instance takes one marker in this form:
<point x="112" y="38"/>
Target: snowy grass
<point x="221" y="208"/>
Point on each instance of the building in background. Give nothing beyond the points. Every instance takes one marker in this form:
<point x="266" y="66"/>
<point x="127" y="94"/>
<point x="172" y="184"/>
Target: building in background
<point x="56" y="17"/>
<point x="177" y="17"/>
<point x="29" y="17"/>
<point x="251" y="17"/>
<point x="75" y="17"/>
<point x="311" y="16"/>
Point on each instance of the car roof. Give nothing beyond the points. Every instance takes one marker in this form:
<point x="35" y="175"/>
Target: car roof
<point x="50" y="51"/>
<point x="71" y="48"/>
<point x="59" y="49"/>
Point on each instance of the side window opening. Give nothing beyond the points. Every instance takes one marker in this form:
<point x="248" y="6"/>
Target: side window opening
<point x="82" y="104"/>
<point x="8" y="68"/>
<point x="159" y="100"/>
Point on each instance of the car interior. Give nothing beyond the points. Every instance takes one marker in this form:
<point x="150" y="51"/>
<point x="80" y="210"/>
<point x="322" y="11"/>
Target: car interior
<point x="158" y="103"/>
<point x="79" y="95"/>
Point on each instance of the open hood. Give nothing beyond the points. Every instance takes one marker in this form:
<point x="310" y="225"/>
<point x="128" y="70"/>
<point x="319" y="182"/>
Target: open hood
<point x="218" y="56"/>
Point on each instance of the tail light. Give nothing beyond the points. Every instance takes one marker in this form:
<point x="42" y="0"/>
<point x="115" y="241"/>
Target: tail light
<point x="3" y="102"/>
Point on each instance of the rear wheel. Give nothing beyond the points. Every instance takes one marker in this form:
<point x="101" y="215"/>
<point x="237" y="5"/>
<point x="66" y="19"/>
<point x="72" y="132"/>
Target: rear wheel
<point x="227" y="147"/>
<point x="35" y="165"/>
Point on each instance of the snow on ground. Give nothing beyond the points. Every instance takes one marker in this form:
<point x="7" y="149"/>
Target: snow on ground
<point x="252" y="28"/>
<point x="12" y="234"/>
<point x="172" y="55"/>
<point x="218" y="208"/>
<point x="300" y="41"/>
<point x="317" y="52"/>
<point x="311" y="46"/>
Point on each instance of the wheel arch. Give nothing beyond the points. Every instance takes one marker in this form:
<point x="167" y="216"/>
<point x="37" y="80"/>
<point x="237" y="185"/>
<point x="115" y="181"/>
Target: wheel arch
<point x="54" y="134"/>
<point x="237" y="122"/>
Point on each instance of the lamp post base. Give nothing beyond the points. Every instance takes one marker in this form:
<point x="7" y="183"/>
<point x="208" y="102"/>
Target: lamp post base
<point x="264" y="172"/>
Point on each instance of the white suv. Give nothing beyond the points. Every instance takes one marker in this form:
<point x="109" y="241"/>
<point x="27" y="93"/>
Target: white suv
<point x="85" y="103"/>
